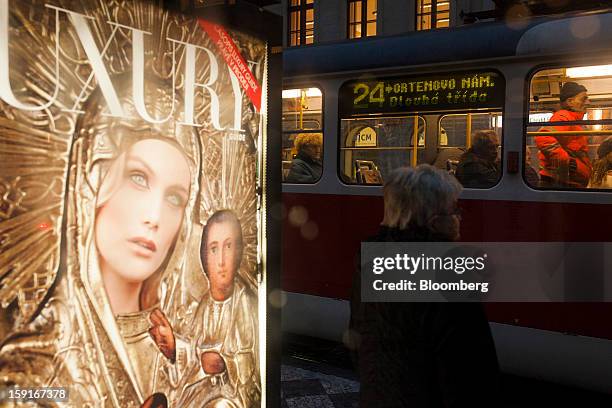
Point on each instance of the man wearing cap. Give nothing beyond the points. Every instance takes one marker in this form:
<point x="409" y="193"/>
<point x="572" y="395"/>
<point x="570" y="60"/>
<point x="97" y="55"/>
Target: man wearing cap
<point x="564" y="159"/>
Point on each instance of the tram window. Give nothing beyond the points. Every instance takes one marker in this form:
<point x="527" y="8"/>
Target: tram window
<point x="372" y="147"/>
<point x="302" y="128"/>
<point x="380" y="118"/>
<point x="454" y="128"/>
<point x="576" y="155"/>
<point x="457" y="154"/>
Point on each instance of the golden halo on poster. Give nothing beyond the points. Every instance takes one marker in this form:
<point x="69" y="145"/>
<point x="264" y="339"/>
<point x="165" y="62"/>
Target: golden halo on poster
<point x="129" y="235"/>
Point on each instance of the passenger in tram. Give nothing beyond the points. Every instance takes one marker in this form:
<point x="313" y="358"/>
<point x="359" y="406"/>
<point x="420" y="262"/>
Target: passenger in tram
<point x="602" y="169"/>
<point x="306" y="166"/>
<point x="479" y="166"/>
<point x="421" y="354"/>
<point x="564" y="159"/>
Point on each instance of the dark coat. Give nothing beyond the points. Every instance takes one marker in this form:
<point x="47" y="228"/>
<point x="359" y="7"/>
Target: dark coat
<point x="422" y="355"/>
<point x="475" y="172"/>
<point x="304" y="170"/>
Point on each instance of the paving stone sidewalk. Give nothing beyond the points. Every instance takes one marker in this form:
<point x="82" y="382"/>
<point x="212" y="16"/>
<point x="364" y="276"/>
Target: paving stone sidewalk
<point x="307" y="384"/>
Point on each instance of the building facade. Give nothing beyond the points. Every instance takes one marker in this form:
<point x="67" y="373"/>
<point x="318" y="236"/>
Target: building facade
<point x="309" y="22"/>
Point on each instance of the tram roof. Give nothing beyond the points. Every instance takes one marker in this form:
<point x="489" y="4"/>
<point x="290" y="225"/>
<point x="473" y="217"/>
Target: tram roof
<point x="484" y="40"/>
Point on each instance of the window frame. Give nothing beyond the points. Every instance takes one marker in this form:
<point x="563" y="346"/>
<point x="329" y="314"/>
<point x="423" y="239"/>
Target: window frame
<point x="302" y="8"/>
<point x="362" y="21"/>
<point x="477" y="112"/>
<point x="527" y="124"/>
<point x="341" y="147"/>
<point x="320" y="130"/>
<point x="433" y="15"/>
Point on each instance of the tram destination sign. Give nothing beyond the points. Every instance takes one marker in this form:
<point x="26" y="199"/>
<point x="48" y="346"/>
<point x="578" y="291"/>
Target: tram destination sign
<point x="442" y="92"/>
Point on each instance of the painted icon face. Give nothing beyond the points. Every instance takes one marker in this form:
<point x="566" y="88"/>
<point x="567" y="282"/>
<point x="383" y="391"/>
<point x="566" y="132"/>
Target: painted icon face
<point x="222" y="256"/>
<point x="138" y="223"/>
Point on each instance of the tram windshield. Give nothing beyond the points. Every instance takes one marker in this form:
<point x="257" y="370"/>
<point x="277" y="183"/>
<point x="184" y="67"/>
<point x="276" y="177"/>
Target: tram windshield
<point x="569" y="131"/>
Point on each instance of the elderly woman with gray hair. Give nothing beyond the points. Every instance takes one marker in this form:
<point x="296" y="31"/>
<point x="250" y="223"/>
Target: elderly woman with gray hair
<point x="479" y="166"/>
<point x="422" y="354"/>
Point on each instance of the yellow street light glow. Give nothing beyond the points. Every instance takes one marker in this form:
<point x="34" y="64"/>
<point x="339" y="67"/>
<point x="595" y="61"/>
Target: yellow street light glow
<point x="587" y="72"/>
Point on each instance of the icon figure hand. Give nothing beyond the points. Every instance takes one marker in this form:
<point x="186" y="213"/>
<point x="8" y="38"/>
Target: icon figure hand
<point x="157" y="400"/>
<point x="162" y="334"/>
<point x="212" y="362"/>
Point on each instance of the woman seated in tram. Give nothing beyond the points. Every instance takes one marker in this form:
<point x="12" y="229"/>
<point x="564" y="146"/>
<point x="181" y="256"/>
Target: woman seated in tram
<point x="306" y="166"/>
<point x="479" y="166"/>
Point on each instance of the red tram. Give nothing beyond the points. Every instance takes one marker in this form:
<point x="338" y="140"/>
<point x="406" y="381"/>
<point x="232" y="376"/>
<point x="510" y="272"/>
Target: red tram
<point x="372" y="101"/>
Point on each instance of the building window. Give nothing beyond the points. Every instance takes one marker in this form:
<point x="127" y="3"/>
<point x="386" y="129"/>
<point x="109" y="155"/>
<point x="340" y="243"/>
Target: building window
<point x="301" y="22"/>
<point x="302" y="123"/>
<point x="432" y="14"/>
<point x="362" y="18"/>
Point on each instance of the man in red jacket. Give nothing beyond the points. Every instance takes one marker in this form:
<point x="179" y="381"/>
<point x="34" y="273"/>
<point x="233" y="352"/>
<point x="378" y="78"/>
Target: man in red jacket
<point x="564" y="159"/>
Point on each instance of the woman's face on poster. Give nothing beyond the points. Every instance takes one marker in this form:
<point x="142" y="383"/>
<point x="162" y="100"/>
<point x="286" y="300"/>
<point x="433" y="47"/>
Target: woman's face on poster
<point x="137" y="225"/>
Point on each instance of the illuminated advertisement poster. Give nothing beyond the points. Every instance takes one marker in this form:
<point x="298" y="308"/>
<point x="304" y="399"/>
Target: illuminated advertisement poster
<point x="131" y="147"/>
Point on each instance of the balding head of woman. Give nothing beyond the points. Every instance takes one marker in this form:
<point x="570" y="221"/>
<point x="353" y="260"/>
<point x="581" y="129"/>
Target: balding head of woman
<point x="422" y="198"/>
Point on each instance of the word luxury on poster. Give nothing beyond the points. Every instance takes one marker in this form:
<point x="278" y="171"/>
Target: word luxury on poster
<point x="131" y="143"/>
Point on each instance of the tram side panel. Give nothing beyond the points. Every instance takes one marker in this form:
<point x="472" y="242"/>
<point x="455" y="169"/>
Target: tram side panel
<point x="324" y="266"/>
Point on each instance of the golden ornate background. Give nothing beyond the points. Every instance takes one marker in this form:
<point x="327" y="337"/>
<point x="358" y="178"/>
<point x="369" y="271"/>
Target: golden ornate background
<point x="35" y="148"/>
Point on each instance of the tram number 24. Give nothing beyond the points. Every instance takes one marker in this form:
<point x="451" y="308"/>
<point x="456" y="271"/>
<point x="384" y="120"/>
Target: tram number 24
<point x="377" y="95"/>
